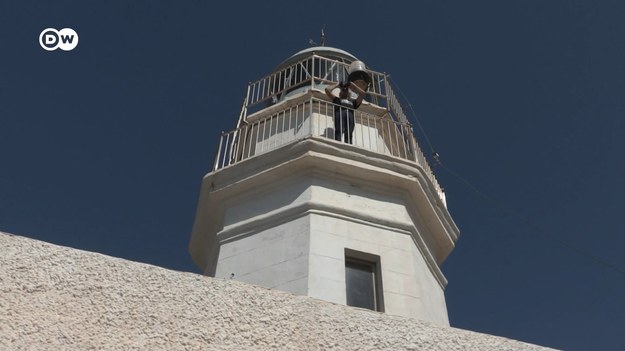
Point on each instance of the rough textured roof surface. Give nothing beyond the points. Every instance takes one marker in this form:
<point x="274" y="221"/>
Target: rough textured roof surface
<point x="58" y="298"/>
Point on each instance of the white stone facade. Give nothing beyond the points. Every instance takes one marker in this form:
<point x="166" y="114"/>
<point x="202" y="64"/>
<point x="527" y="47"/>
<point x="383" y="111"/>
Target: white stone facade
<point x="288" y="207"/>
<point x="284" y="220"/>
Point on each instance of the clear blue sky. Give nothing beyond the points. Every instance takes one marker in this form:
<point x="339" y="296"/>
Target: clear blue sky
<point x="103" y="148"/>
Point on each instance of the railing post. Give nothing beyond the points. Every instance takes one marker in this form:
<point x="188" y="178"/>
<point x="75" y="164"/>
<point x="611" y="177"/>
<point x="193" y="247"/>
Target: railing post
<point x="247" y="95"/>
<point x="312" y="78"/>
<point x="221" y="138"/>
<point x="226" y="150"/>
<point x="310" y="117"/>
<point x="242" y="145"/>
<point x="388" y="104"/>
<point x="413" y="142"/>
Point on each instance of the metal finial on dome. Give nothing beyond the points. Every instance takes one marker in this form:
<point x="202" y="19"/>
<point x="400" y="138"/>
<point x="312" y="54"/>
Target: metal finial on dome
<point x="322" y="42"/>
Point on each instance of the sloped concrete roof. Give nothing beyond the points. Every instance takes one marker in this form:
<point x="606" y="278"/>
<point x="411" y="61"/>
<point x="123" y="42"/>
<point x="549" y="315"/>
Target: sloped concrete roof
<point x="58" y="298"/>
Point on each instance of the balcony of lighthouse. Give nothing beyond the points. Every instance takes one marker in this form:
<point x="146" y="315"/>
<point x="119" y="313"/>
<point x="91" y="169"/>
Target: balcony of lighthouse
<point x="290" y="105"/>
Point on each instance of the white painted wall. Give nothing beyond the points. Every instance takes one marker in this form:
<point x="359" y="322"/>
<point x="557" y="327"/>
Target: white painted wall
<point x="274" y="258"/>
<point x="409" y="288"/>
<point x="276" y="237"/>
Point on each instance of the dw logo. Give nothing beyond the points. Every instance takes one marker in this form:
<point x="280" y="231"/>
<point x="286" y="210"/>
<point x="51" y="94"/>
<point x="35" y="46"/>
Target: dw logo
<point x="66" y="39"/>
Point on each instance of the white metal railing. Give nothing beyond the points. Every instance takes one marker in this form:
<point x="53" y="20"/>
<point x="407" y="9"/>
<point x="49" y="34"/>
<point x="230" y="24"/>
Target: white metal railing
<point x="315" y="118"/>
<point x="316" y="70"/>
<point x="395" y="107"/>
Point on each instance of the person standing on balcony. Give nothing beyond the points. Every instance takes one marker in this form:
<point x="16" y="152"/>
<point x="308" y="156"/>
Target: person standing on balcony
<point x="344" y="109"/>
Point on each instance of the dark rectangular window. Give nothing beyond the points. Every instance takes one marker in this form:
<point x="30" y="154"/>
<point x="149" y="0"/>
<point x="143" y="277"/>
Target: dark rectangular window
<point x="362" y="280"/>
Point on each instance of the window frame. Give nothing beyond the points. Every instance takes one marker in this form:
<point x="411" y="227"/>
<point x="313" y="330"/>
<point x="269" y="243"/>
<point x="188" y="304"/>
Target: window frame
<point x="373" y="261"/>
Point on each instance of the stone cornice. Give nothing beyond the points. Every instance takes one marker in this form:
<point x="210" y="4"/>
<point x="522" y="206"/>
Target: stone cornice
<point x="325" y="156"/>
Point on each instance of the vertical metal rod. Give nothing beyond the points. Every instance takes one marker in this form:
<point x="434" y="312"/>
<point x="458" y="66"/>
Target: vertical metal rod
<point x="298" y="73"/>
<point x="290" y="118"/>
<point x="253" y="88"/>
<point x="298" y="126"/>
<point x="293" y="123"/>
<point x="376" y="133"/>
<point x="395" y="132"/>
<point x="284" y="130"/>
<point x="274" y="78"/>
<point x="382" y="137"/>
<point x="257" y="91"/>
<point x="284" y="79"/>
<point x="232" y="147"/>
<point x="225" y="151"/>
<point x="275" y="136"/>
<point x="311" y="123"/>
<point x="325" y="118"/>
<point x="224" y="158"/>
<point x="245" y="130"/>
<point x="362" y="129"/>
<point x="261" y="138"/>
<point x="369" y="131"/>
<point x="270" y="136"/>
<point x="312" y="84"/>
<point x="387" y="93"/>
<point x="303" y="125"/>
<point x="327" y="70"/>
<point x="340" y="123"/>
<point x="216" y="163"/>
<point x="310" y="114"/>
<point x="396" y="139"/>
<point x="283" y="82"/>
<point x="414" y="144"/>
<point x="321" y="122"/>
<point x="247" y="101"/>
<point x="270" y="85"/>
<point x="388" y="135"/>
<point x="263" y="92"/>
<point x="379" y="137"/>
<point x="223" y="163"/>
<point x="252" y="141"/>
<point x="298" y="76"/>
<point x="305" y="71"/>
<point x="264" y="137"/>
<point x="278" y="130"/>
<point x="403" y="141"/>
<point x="321" y="117"/>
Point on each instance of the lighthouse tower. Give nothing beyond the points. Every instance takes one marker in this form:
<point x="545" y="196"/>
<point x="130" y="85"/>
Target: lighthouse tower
<point x="288" y="207"/>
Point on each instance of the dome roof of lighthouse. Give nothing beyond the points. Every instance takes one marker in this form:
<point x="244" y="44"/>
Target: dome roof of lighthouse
<point x="325" y="51"/>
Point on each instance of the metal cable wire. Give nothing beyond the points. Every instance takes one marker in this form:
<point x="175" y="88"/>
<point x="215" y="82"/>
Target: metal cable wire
<point x="496" y="203"/>
<point x="414" y="115"/>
